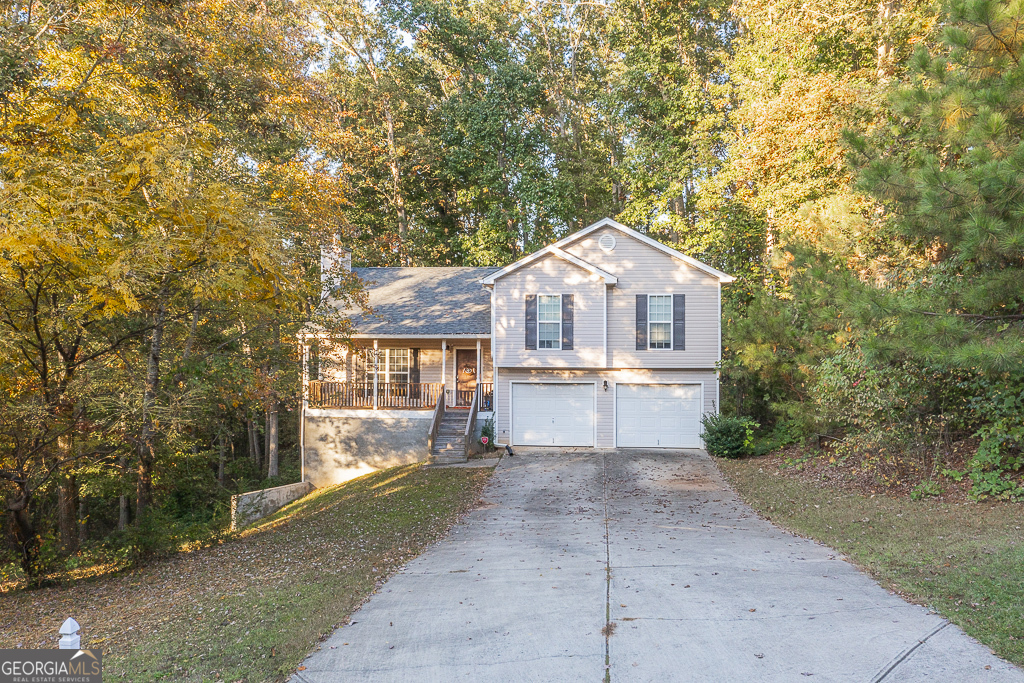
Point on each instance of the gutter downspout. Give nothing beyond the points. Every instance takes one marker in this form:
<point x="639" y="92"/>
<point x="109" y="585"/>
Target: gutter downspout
<point x="606" y="326"/>
<point x="494" y="368"/>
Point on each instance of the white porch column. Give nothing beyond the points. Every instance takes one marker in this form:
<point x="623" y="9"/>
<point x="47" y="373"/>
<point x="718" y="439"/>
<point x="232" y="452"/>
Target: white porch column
<point x="444" y="370"/>
<point x="376" y="369"/>
<point x="479" y="361"/>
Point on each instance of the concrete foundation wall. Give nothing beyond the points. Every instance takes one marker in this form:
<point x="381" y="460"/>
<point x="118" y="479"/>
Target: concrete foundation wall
<point x="340" y="445"/>
<point x="248" y="507"/>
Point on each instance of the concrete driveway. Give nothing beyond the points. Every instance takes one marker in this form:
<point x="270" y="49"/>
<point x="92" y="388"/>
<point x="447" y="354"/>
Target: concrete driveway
<point x="637" y="566"/>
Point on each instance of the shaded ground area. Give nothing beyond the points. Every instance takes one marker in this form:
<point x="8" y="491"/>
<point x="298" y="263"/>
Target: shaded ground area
<point x="636" y="566"/>
<point x="251" y="608"/>
<point x="868" y="472"/>
<point x="964" y="559"/>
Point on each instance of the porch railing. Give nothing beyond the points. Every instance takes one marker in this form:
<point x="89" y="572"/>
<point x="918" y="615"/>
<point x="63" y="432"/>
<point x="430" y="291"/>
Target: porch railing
<point x="471" y="422"/>
<point x="361" y="395"/>
<point x="486" y="399"/>
<point x="435" y="423"/>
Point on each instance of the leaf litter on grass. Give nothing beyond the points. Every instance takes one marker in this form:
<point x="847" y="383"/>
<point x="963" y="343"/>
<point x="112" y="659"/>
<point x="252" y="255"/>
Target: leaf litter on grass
<point x="252" y="607"/>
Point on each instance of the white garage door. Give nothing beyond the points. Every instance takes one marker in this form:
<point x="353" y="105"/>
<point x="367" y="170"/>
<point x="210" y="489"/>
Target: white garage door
<point x="657" y="415"/>
<point x="553" y="414"/>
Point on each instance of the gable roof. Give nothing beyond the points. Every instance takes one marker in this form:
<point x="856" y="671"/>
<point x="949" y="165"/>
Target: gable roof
<point x="411" y="302"/>
<point x="556" y="248"/>
<point x="551" y="250"/>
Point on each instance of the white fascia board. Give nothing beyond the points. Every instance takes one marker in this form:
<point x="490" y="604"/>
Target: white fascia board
<point x="608" y="222"/>
<point x="449" y="335"/>
<point x="550" y="250"/>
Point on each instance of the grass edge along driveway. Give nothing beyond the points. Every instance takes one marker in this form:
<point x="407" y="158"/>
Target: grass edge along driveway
<point x="964" y="560"/>
<point x="252" y="608"/>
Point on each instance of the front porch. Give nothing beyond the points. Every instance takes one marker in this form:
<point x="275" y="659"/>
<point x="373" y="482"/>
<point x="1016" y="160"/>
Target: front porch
<point x="397" y="395"/>
<point x="392" y="401"/>
<point x="405" y="374"/>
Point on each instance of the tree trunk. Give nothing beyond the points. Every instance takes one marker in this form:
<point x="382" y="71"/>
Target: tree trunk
<point x="886" y="12"/>
<point x="83" y="520"/>
<point x="147" y="455"/>
<point x="26" y="538"/>
<point x="273" y="409"/>
<point x="396" y="172"/>
<point x="122" y="502"/>
<point x="67" y="513"/>
<point x="272" y="457"/>
<point x="254" y="437"/>
<point x="220" y="458"/>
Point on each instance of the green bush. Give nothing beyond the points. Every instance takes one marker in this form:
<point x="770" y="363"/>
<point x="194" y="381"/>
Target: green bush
<point x="488" y="430"/>
<point x="996" y="468"/>
<point x="728" y="437"/>
<point x="785" y="433"/>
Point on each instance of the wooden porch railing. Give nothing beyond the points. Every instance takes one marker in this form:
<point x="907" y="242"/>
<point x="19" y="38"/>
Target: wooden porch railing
<point x="471" y="422"/>
<point x="361" y="395"/>
<point x="486" y="390"/>
<point x="435" y="423"/>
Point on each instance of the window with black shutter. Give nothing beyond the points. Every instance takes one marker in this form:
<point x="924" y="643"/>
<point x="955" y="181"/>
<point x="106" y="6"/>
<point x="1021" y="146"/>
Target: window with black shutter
<point x="641" y="322"/>
<point x="567" y="313"/>
<point x="679" y="322"/>
<point x="531" y="321"/>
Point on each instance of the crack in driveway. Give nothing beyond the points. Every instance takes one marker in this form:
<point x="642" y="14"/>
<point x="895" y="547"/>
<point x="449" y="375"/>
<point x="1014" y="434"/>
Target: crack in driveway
<point x="700" y="591"/>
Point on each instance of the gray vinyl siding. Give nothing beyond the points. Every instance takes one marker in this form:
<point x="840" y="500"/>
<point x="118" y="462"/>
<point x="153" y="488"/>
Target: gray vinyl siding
<point x="604" y="400"/>
<point x="549" y="275"/>
<point x="642" y="269"/>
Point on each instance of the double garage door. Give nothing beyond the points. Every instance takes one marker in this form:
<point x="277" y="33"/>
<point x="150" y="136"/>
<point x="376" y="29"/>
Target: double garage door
<point x="646" y="415"/>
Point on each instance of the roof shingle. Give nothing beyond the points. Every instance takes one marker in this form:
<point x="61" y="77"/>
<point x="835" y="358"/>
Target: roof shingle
<point x="427" y="301"/>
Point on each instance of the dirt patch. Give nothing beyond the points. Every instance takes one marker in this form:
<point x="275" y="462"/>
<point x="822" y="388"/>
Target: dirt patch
<point x="689" y="478"/>
<point x="861" y="473"/>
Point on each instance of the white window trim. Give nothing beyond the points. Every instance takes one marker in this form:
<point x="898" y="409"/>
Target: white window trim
<point x="384" y="367"/>
<point x="671" y="324"/>
<point x="539" y="323"/>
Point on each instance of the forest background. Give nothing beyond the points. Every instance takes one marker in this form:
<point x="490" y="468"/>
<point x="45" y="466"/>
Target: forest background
<point x="171" y="169"/>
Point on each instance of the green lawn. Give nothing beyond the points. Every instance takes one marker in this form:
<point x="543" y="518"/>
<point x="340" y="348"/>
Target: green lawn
<point x="965" y="560"/>
<point x="251" y="608"/>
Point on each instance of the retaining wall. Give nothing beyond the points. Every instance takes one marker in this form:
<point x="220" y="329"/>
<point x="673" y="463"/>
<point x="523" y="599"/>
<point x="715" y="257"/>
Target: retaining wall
<point x="248" y="507"/>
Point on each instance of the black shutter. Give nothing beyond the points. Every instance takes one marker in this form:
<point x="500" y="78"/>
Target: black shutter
<point x="679" y="322"/>
<point x="567" y="322"/>
<point x="531" y="321"/>
<point x="641" y="322"/>
<point x="414" y="366"/>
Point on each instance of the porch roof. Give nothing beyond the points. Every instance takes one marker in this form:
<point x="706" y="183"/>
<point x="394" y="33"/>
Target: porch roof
<point x="425" y="302"/>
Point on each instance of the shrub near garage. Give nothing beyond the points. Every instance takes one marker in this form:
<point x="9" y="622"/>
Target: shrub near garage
<point x="727" y="436"/>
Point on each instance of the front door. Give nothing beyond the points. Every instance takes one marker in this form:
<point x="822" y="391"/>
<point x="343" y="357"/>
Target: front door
<point x="465" y="377"/>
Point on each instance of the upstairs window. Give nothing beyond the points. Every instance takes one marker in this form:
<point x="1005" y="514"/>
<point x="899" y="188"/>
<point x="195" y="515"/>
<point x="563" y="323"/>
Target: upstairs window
<point x="549" y="322"/>
<point x="659" y="318"/>
<point x="661" y="321"/>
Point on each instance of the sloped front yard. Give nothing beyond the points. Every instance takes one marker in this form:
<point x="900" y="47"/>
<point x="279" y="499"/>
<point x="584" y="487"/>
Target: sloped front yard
<point x="251" y="609"/>
<point x="963" y="559"/>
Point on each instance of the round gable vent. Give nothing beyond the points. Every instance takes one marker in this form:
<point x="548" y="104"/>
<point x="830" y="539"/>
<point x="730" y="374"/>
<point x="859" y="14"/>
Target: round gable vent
<point x="607" y="242"/>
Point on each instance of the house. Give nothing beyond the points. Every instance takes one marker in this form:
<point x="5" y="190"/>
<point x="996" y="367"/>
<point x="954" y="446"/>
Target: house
<point x="604" y="339"/>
